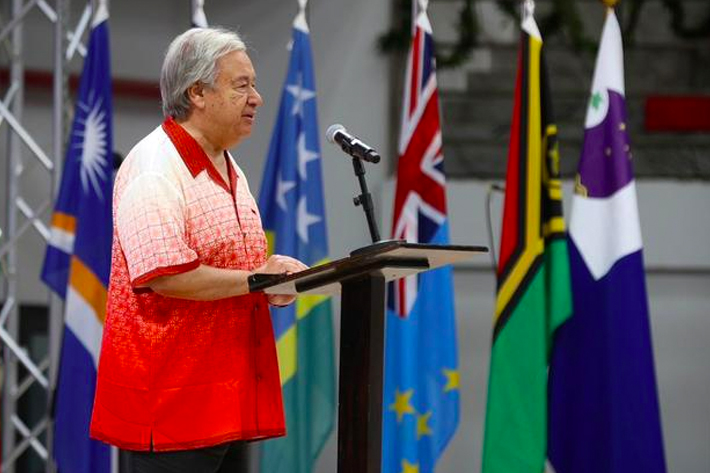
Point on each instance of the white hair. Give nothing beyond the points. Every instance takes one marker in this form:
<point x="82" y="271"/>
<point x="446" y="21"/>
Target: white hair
<point x="192" y="57"/>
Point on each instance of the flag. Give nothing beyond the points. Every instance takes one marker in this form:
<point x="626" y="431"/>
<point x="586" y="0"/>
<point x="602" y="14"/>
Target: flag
<point x="421" y="377"/>
<point x="199" y="20"/>
<point x="604" y="413"/>
<point x="291" y="202"/>
<point x="533" y="289"/>
<point x="78" y="257"/>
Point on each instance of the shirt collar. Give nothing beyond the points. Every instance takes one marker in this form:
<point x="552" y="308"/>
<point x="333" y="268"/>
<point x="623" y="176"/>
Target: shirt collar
<point x="194" y="156"/>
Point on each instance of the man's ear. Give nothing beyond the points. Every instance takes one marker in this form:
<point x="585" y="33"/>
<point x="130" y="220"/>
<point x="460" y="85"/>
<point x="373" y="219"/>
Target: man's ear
<point x="196" y="95"/>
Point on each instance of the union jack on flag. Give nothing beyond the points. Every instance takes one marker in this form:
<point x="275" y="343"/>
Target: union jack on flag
<point x="421" y="387"/>
<point x="420" y="201"/>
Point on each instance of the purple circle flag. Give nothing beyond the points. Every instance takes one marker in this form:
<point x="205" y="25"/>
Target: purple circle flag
<point x="605" y="165"/>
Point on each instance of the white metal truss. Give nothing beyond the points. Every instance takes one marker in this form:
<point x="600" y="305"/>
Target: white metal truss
<point x="21" y="218"/>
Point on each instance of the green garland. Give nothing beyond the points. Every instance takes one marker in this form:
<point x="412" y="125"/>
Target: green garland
<point x="564" y="19"/>
<point x="398" y="38"/>
<point x="677" y="20"/>
<point x="677" y="11"/>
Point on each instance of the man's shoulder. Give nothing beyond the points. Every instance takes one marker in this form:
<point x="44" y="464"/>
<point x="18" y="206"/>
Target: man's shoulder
<point x="153" y="145"/>
<point x="154" y="154"/>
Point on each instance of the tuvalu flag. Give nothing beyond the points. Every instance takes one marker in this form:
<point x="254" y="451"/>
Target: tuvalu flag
<point x="293" y="210"/>
<point x="78" y="257"/>
<point x="421" y="377"/>
<point x="533" y="295"/>
<point x="604" y="413"/>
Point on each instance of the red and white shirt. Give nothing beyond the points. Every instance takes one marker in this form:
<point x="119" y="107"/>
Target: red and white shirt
<point x="173" y="373"/>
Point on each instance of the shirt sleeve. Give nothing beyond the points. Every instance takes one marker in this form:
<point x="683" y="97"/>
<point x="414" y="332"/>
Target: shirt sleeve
<point x="150" y="221"/>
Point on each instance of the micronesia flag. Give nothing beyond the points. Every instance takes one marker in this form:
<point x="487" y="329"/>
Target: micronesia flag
<point x="604" y="413"/>
<point x="78" y="258"/>
<point x="293" y="212"/>
<point x="421" y="397"/>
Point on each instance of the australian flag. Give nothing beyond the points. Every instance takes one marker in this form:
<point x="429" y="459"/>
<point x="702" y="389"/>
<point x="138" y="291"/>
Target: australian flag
<point x="293" y="212"/>
<point x="78" y="258"/>
<point x="421" y="388"/>
<point x="603" y="410"/>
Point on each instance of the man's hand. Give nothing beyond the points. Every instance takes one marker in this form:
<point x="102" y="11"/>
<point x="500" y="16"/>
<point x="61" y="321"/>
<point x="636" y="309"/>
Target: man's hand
<point x="279" y="264"/>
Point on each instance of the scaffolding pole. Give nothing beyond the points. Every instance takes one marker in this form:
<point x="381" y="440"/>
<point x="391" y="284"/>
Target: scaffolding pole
<point x="20" y="435"/>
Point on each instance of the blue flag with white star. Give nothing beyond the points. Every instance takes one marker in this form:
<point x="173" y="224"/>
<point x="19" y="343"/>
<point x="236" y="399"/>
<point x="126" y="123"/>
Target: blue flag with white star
<point x="77" y="263"/>
<point x="293" y="214"/>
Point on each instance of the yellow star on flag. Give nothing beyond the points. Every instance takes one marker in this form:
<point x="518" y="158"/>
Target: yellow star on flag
<point x="401" y="404"/>
<point x="423" y="425"/>
<point x="452" y="380"/>
<point x="409" y="468"/>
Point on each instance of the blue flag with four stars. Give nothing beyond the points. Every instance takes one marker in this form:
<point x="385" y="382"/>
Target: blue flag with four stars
<point x="293" y="213"/>
<point x="421" y="396"/>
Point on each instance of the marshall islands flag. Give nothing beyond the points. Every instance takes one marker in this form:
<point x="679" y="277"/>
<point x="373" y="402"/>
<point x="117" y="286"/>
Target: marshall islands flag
<point x="604" y="413"/>
<point x="78" y="258"/>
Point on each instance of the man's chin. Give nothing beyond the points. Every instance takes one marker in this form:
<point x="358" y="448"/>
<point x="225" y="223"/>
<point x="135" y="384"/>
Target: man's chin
<point x="245" y="127"/>
<point x="244" y="134"/>
<point x="241" y="136"/>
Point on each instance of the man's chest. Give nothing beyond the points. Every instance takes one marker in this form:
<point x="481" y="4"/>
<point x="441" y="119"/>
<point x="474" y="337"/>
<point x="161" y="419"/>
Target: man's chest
<point x="224" y="230"/>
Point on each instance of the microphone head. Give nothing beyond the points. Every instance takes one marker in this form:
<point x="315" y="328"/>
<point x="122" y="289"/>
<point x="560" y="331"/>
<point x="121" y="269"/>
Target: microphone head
<point x="332" y="130"/>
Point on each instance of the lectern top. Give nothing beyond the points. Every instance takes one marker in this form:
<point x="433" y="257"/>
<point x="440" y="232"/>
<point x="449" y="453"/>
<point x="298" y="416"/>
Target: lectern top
<point x="393" y="259"/>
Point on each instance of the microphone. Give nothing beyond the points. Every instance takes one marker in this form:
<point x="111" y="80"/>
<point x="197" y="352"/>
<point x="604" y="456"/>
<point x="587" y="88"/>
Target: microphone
<point x="337" y="134"/>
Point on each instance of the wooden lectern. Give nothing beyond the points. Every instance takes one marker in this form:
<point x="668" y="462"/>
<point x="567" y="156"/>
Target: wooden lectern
<point x="362" y="278"/>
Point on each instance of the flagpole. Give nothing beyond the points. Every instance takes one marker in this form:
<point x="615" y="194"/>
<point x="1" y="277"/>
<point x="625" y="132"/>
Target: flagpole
<point x="198" y="18"/>
<point x="610" y="4"/>
<point x="300" y="22"/>
<point x="56" y="312"/>
<point x="528" y="9"/>
<point x="418" y="6"/>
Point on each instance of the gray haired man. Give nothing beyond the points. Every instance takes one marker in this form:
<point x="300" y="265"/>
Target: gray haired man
<point x="188" y="369"/>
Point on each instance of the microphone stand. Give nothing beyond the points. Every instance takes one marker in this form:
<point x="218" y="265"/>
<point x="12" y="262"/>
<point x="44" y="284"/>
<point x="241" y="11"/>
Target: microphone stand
<point x="365" y="200"/>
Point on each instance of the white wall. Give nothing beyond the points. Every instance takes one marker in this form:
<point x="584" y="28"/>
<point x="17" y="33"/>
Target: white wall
<point x="353" y="89"/>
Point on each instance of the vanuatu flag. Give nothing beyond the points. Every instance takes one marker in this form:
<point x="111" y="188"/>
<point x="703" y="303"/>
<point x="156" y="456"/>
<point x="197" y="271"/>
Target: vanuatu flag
<point x="533" y="296"/>
<point x="291" y="202"/>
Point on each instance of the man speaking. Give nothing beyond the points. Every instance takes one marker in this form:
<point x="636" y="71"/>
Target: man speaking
<point x="188" y="369"/>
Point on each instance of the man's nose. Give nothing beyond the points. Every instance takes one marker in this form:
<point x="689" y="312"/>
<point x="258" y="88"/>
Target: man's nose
<point x="255" y="99"/>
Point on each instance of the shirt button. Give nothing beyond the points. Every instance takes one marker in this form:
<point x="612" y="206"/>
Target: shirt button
<point x="259" y="378"/>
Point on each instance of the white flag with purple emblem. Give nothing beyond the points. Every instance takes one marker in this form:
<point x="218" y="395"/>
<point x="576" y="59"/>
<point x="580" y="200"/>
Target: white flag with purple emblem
<point x="603" y="411"/>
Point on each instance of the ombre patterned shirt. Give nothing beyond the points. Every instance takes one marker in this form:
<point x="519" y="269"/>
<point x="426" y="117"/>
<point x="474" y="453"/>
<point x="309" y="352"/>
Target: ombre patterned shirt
<point x="178" y="374"/>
